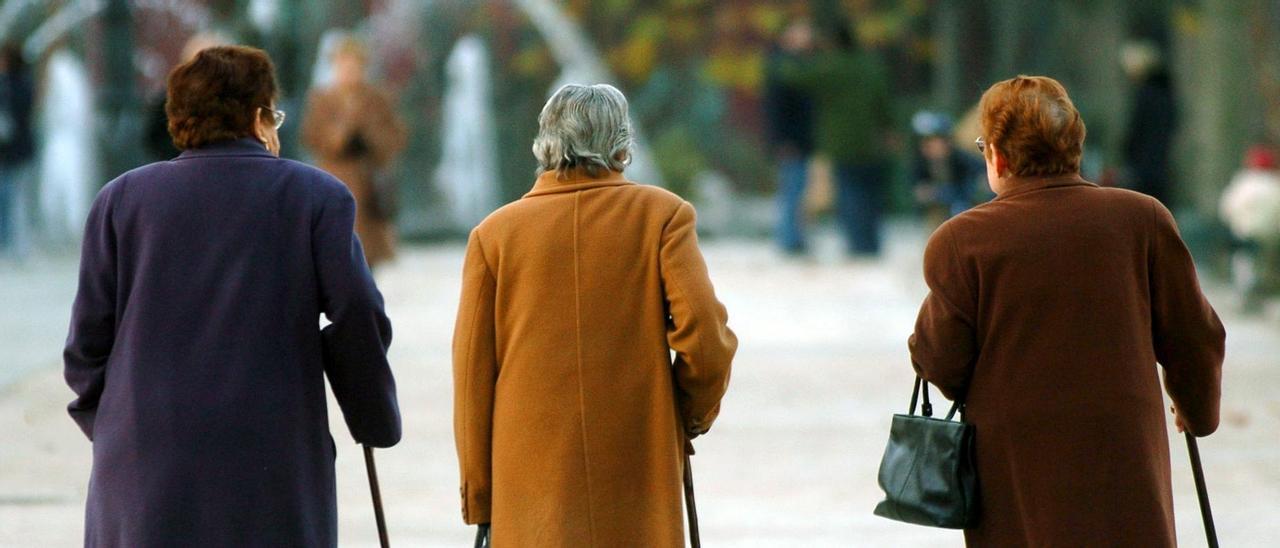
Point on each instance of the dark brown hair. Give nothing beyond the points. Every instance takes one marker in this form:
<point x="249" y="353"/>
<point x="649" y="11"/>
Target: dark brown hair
<point x="1034" y="125"/>
<point x="214" y="96"/>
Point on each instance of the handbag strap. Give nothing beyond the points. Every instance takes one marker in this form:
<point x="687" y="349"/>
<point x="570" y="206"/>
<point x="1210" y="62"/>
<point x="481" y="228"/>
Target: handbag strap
<point x="482" y="536"/>
<point x="927" y="408"/>
<point x="955" y="406"/>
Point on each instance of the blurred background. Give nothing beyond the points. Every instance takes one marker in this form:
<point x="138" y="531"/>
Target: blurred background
<point x="747" y="108"/>
<point x="697" y="73"/>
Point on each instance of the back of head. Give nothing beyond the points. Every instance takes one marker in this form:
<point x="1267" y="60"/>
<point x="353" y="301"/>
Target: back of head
<point x="1032" y="122"/>
<point x="214" y="96"/>
<point x="350" y="45"/>
<point x="1139" y="58"/>
<point x="584" y="127"/>
<point x="1261" y="157"/>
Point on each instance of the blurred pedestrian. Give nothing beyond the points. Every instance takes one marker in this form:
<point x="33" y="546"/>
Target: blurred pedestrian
<point x="17" y="145"/>
<point x="944" y="177"/>
<point x="194" y="350"/>
<point x="1153" y="118"/>
<point x="354" y="132"/>
<point x="789" y="130"/>
<point x="1251" y="209"/>
<point x="1049" y="308"/>
<point x="569" y="414"/>
<point x="853" y="127"/>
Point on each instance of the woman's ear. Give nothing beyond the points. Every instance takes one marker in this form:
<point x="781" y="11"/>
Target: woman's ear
<point x="264" y="130"/>
<point x="259" y="126"/>
<point x="1002" y="165"/>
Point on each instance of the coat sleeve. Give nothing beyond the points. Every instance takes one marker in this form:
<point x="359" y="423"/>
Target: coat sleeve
<point x="1188" y="336"/>
<point x="359" y="333"/>
<point x="475" y="374"/>
<point x="944" y="345"/>
<point x="93" y="316"/>
<point x="698" y="328"/>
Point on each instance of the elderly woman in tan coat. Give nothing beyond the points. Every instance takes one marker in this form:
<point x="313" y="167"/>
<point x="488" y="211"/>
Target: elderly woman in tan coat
<point x="352" y="129"/>
<point x="570" y="416"/>
<point x="1048" y="310"/>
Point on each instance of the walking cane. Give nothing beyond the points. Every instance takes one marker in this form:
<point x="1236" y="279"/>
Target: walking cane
<point x="1202" y="491"/>
<point x="377" y="497"/>
<point x="695" y="538"/>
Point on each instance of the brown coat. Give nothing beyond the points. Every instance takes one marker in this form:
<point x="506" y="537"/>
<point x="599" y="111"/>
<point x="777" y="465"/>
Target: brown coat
<point x="354" y="134"/>
<point x="568" y="411"/>
<point x="1049" y="308"/>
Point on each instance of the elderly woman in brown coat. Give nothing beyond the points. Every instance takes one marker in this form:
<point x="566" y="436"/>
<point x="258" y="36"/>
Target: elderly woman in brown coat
<point x="352" y="129"/>
<point x="569" y="415"/>
<point x="1048" y="310"/>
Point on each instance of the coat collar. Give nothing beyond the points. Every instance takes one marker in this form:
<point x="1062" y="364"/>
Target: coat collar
<point x="1023" y="185"/>
<point x="246" y="146"/>
<point x="553" y="182"/>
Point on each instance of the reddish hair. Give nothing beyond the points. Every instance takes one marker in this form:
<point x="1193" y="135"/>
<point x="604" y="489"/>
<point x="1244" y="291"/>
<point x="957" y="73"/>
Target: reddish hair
<point x="1034" y="125"/>
<point x="214" y="96"/>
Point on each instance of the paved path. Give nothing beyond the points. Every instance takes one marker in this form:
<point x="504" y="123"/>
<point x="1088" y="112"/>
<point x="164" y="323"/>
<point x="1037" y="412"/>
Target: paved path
<point x="792" y="461"/>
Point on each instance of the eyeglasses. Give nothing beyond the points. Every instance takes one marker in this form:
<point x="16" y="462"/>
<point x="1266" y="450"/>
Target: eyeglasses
<point x="277" y="116"/>
<point x="982" y="145"/>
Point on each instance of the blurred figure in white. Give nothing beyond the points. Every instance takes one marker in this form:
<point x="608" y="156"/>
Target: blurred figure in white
<point x="67" y="165"/>
<point x="467" y="175"/>
<point x="1251" y="209"/>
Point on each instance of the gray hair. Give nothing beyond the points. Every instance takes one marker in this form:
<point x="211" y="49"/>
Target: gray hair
<point x="584" y="127"/>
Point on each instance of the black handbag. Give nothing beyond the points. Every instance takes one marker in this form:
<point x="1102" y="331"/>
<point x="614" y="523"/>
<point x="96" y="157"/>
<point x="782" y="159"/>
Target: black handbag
<point x="482" y="536"/>
<point x="928" y="473"/>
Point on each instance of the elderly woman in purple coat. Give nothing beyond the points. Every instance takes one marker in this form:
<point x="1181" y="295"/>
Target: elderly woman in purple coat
<point x="195" y="350"/>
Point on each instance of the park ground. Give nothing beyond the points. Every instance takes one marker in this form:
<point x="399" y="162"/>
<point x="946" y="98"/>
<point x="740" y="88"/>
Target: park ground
<point x="791" y="462"/>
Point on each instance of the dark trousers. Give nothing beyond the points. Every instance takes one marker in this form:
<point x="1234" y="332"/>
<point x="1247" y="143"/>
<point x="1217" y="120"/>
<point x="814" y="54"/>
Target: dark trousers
<point x="860" y="205"/>
<point x="793" y="175"/>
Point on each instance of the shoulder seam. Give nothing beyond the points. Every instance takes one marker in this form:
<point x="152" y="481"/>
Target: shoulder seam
<point x="484" y="253"/>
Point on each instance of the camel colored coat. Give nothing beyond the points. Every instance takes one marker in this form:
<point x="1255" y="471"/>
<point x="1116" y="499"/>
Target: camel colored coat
<point x="354" y="134"/>
<point x="569" y="414"/>
<point x="1048" y="310"/>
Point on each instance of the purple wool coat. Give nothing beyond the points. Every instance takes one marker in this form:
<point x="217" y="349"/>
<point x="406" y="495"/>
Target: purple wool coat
<point x="197" y="358"/>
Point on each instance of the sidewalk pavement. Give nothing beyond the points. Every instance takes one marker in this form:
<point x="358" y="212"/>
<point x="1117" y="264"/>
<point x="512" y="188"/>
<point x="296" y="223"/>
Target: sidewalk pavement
<point x="792" y="461"/>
